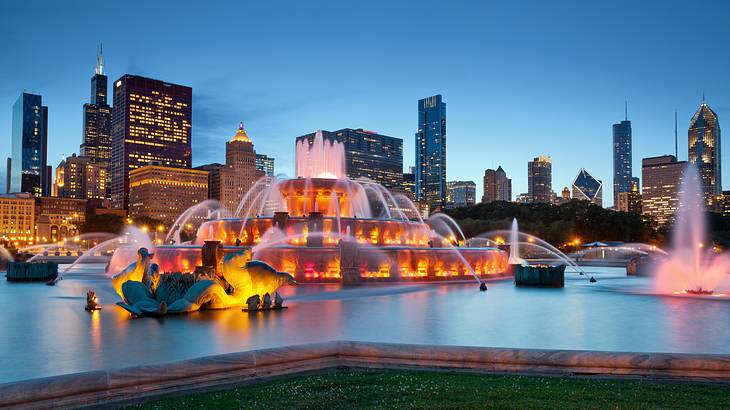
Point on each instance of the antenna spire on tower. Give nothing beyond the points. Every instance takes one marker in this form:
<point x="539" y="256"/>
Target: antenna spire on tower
<point x="676" y="151"/>
<point x="626" y="110"/>
<point x="99" y="62"/>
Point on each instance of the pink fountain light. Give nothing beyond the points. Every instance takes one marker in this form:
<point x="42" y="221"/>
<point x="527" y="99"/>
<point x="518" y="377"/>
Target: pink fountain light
<point x="692" y="267"/>
<point x="323" y="158"/>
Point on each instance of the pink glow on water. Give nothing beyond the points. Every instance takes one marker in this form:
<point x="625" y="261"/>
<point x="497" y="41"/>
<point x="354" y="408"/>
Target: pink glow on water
<point x="692" y="264"/>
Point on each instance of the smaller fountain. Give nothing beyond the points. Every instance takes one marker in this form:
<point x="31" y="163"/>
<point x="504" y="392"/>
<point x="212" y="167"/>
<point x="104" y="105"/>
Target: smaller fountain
<point x="692" y="266"/>
<point x="551" y="276"/>
<point x="514" y="244"/>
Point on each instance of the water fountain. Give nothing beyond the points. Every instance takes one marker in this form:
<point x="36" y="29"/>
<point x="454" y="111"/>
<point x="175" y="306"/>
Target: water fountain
<point x="514" y="244"/>
<point x="692" y="266"/>
<point x="322" y="226"/>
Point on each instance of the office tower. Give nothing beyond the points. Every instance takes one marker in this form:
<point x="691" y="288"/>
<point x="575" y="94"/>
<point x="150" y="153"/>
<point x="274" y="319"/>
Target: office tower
<point x="587" y="188"/>
<point x="497" y="187"/>
<point x="661" y="180"/>
<point x="726" y="203"/>
<point x="163" y="193"/>
<point x="97" y="140"/>
<point x="29" y="145"/>
<point x="58" y="218"/>
<point x="17" y="219"/>
<point x="81" y="178"/>
<point x="408" y="186"/>
<point x="151" y="122"/>
<point x="8" y="172"/>
<point x="265" y="164"/>
<point x="629" y="201"/>
<point x="368" y="154"/>
<point x="431" y="152"/>
<point x="622" y="172"/>
<point x="461" y="193"/>
<point x="704" y="151"/>
<point x="228" y="183"/>
<point x="540" y="179"/>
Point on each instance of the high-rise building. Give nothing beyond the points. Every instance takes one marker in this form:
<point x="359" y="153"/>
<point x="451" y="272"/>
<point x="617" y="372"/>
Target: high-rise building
<point x="661" y="179"/>
<point x="17" y="219"/>
<point x="97" y="139"/>
<point x="81" y="178"/>
<point x="151" y="122"/>
<point x="368" y="154"/>
<point x="540" y="179"/>
<point x="265" y="164"/>
<point x="704" y="151"/>
<point x="408" y="186"/>
<point x="497" y="187"/>
<point x="461" y="193"/>
<point x="431" y="152"/>
<point x="29" y="146"/>
<point x="629" y="201"/>
<point x="726" y="203"/>
<point x="622" y="171"/>
<point x="588" y="188"/>
<point x="163" y="193"/>
<point x="229" y="182"/>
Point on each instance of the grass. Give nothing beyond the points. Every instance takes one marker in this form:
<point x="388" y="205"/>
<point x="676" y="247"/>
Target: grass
<point x="411" y="389"/>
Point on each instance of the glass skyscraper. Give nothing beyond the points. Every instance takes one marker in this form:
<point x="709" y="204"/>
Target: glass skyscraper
<point x="704" y="151"/>
<point x="29" y="146"/>
<point x="97" y="139"/>
<point x="622" y="172"/>
<point x="587" y="188"/>
<point x="431" y="187"/>
<point x="540" y="179"/>
<point x="151" y="123"/>
<point x="265" y="164"/>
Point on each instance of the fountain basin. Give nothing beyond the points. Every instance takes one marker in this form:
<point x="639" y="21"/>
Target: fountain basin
<point x="543" y="276"/>
<point x="31" y="271"/>
<point x="363" y="263"/>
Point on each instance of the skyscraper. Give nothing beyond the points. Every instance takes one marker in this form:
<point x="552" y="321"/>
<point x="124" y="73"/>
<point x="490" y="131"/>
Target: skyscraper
<point x="265" y="164"/>
<point x="622" y="172"/>
<point x="80" y="178"/>
<point x="29" y="146"/>
<point x="661" y="178"/>
<point x="431" y="152"/>
<point x="587" y="188"/>
<point x="151" y="122"/>
<point x="368" y="154"/>
<point x="97" y="140"/>
<point x="497" y="187"/>
<point x="540" y="179"/>
<point x="704" y="151"/>
<point x="228" y="183"/>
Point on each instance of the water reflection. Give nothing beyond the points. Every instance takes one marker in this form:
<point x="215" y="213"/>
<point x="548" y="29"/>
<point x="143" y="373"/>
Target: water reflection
<point x="46" y="331"/>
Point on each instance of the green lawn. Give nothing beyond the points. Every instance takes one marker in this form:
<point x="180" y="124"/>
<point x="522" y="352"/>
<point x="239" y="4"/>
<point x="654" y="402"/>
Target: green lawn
<point x="404" y="389"/>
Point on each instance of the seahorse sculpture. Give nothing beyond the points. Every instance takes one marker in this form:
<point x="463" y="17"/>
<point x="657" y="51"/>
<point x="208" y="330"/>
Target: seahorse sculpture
<point x="149" y="293"/>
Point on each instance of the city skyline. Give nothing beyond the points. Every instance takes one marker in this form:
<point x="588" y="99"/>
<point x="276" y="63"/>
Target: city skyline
<point x="589" y="88"/>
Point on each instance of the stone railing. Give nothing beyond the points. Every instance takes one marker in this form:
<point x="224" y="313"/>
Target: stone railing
<point x="125" y="386"/>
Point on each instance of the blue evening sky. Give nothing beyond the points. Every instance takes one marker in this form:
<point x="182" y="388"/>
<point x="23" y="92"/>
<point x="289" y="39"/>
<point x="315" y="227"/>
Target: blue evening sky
<point x="520" y="78"/>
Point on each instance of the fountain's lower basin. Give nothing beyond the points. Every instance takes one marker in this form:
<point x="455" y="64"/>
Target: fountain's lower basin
<point x="329" y="264"/>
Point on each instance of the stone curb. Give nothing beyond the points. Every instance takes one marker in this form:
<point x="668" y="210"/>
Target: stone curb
<point x="115" y="387"/>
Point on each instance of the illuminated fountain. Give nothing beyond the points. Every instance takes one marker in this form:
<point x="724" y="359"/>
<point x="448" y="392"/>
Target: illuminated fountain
<point x="323" y="227"/>
<point x="692" y="266"/>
